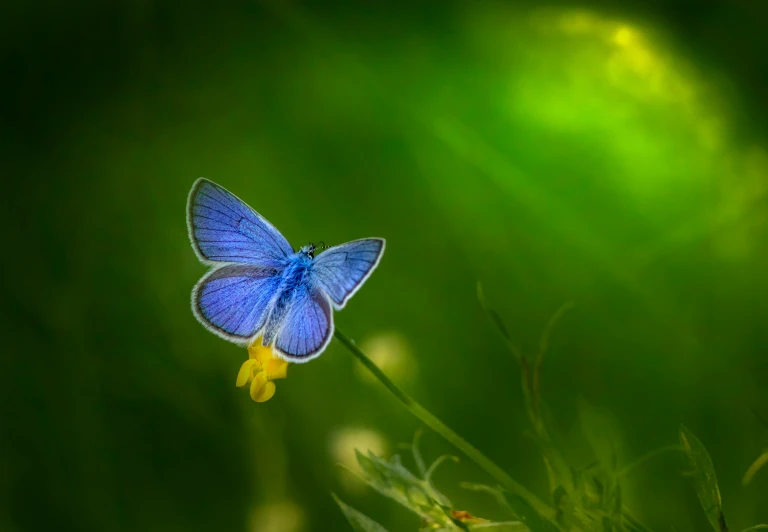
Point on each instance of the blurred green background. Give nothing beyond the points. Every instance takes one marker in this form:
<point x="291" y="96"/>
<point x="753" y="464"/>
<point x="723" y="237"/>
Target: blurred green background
<point x="610" y="154"/>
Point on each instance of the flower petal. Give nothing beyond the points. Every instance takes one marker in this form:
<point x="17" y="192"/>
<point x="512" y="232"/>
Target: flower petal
<point x="276" y="368"/>
<point x="265" y="393"/>
<point x="259" y="352"/>
<point x="258" y="383"/>
<point x="245" y="374"/>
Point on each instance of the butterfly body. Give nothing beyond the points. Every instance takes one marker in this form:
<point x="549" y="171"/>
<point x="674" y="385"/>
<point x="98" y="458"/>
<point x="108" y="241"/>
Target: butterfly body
<point x="297" y="270"/>
<point x="260" y="286"/>
<point x="294" y="277"/>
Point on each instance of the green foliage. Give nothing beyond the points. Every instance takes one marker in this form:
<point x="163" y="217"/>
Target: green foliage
<point x="393" y="480"/>
<point x="704" y="479"/>
<point x="600" y="490"/>
<point x="583" y="499"/>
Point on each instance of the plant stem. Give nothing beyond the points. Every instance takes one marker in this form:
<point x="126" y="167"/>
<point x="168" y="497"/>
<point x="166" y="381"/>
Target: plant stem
<point x="438" y="426"/>
<point x="756" y="466"/>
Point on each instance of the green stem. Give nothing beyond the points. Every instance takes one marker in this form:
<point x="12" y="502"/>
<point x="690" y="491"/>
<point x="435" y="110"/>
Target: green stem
<point x="438" y="426"/>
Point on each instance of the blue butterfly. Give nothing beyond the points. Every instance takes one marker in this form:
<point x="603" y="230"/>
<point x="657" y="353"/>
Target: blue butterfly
<point x="260" y="286"/>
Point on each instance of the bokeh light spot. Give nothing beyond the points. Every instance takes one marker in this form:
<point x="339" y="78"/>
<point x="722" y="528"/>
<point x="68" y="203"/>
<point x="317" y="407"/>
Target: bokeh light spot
<point x="342" y="444"/>
<point x="283" y="516"/>
<point x="392" y="353"/>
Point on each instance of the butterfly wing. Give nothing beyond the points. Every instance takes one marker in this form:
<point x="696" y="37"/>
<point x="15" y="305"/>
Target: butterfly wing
<point x="223" y="228"/>
<point x="307" y="326"/>
<point x="233" y="301"/>
<point x="341" y="270"/>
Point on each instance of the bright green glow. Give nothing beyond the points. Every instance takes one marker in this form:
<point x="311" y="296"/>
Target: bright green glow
<point x="620" y="94"/>
<point x="610" y="84"/>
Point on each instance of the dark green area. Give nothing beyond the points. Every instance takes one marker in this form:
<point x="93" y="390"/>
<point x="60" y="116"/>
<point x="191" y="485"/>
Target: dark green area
<point x="520" y="146"/>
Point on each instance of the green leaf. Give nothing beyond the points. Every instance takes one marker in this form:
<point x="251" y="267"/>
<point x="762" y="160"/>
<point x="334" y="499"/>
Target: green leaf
<point x="705" y="480"/>
<point x="393" y="480"/>
<point x="359" y="521"/>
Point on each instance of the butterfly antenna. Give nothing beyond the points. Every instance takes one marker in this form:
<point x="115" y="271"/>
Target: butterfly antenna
<point x="319" y="246"/>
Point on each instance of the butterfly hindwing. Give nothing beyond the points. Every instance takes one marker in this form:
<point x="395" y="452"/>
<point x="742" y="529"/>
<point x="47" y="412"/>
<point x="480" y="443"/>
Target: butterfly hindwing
<point x="233" y="300"/>
<point x="307" y="325"/>
<point x="223" y="228"/>
<point x="341" y="270"/>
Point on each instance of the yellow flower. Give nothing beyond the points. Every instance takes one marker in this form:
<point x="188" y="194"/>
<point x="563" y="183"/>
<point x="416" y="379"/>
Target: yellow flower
<point x="261" y="368"/>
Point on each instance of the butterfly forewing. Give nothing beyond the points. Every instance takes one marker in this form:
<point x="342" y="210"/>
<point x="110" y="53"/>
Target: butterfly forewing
<point x="223" y="228"/>
<point x="341" y="270"/>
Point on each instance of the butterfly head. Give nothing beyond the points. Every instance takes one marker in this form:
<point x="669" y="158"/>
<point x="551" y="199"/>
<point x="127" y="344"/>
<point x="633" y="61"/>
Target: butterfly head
<point x="311" y="248"/>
